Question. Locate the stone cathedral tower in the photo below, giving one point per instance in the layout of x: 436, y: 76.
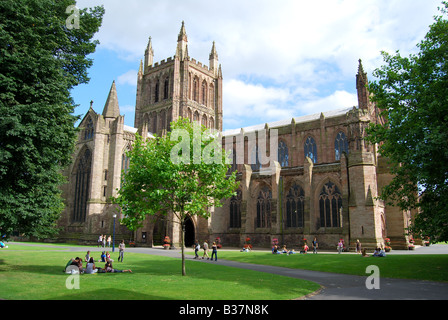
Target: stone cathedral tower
x: 178, y: 87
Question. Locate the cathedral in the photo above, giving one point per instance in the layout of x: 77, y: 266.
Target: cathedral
x: 323, y: 184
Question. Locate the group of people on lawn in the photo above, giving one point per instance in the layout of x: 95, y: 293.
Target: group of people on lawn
x: 277, y: 250
x: 197, y: 247
x: 91, y: 267
x: 379, y: 251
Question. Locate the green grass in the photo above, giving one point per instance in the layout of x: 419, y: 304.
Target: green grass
x: 420, y: 267
x: 35, y: 273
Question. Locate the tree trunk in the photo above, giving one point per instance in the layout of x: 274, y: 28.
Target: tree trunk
x: 184, y: 273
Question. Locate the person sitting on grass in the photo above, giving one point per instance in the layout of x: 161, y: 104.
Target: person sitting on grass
x: 103, y: 257
x: 305, y: 249
x: 90, y: 267
x: 379, y: 252
x: 108, y: 258
x: 87, y: 258
x: 109, y: 268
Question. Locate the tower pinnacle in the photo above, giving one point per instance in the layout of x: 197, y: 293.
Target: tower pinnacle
x: 182, y: 40
x: 149, y: 54
x: 111, y: 108
x: 213, y: 58
x: 361, y: 87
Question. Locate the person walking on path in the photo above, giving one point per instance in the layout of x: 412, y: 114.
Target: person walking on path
x: 214, y: 251
x: 205, y: 247
x: 196, y: 249
x: 315, y: 245
x: 121, y: 248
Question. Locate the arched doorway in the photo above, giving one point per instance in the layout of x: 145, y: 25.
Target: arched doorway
x: 189, y: 232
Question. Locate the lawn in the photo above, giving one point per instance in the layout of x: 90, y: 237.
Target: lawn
x: 36, y: 273
x: 412, y: 266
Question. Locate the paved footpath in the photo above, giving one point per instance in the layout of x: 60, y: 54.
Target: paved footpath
x: 334, y: 286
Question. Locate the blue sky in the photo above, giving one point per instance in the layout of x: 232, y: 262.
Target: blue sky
x: 280, y: 59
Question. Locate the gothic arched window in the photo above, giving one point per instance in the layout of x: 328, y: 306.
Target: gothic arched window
x: 340, y: 145
x: 154, y: 122
x: 125, y: 162
x: 211, y: 123
x: 283, y: 157
x: 163, y: 120
x: 166, y: 88
x: 264, y: 208
x: 195, y: 90
x: 82, y: 186
x: 311, y: 149
x: 235, y: 210
x: 255, y: 159
x: 295, y: 207
x: 204, y: 93
x: 189, y: 115
x: 88, y: 132
x: 204, y: 120
x: 330, y: 205
x: 169, y: 118
x: 157, y: 91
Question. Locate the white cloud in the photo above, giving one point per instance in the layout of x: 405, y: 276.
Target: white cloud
x: 128, y: 78
x: 278, y: 60
x: 338, y: 100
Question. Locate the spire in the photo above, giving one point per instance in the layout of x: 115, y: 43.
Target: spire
x: 213, y: 58
x: 214, y: 53
x: 361, y: 87
x: 140, y: 69
x: 182, y: 40
x: 361, y: 72
x: 149, y: 54
x: 182, y: 34
x: 111, y: 109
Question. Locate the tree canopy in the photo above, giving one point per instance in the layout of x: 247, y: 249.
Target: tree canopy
x: 183, y: 174
x: 412, y: 93
x: 44, y: 48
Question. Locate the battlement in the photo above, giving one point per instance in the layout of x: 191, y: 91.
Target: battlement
x: 160, y: 64
x: 200, y: 66
x: 192, y: 62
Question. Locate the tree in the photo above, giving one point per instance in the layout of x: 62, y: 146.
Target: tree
x: 412, y: 93
x: 183, y: 173
x: 43, y: 55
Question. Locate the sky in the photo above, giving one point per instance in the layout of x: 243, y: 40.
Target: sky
x: 280, y: 59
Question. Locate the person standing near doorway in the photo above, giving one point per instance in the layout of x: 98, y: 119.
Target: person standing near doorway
x: 205, y: 247
x: 315, y: 245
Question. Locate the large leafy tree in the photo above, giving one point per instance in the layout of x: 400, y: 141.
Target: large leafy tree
x: 413, y: 94
x: 44, y: 46
x: 181, y: 174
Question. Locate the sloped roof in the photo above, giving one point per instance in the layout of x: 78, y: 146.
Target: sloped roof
x: 281, y: 123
